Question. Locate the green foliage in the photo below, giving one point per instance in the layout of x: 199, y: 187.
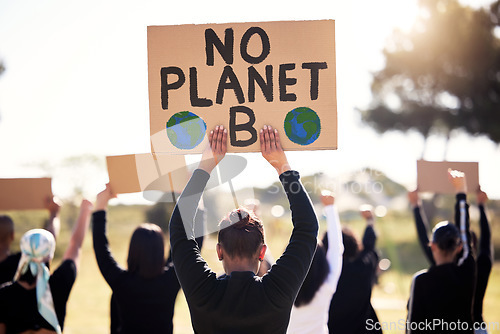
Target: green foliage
x: 443, y: 75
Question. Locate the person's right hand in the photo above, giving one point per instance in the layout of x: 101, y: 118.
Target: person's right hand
x: 270, y: 147
x: 457, y: 179
x: 327, y: 198
x: 103, y: 198
x: 366, y: 214
x: 86, y: 206
x: 482, y: 198
x: 413, y: 198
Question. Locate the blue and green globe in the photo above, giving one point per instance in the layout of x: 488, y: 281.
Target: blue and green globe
x: 302, y: 126
x: 186, y: 130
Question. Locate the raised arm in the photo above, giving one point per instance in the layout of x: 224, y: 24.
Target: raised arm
x: 109, y: 268
x: 484, y: 257
x: 459, y: 183
x: 283, y: 281
x: 484, y: 227
x: 421, y: 224
x: 82, y: 223
x: 53, y: 224
x: 192, y: 270
x: 334, y: 235
x: 200, y: 222
x: 369, y: 237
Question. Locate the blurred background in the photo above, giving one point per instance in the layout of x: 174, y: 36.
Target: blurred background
x: 415, y: 79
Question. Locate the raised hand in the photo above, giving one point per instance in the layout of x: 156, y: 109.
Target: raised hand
x: 327, y: 198
x: 413, y: 198
x: 457, y: 179
x: 86, y: 206
x: 271, y: 149
x: 103, y: 198
x: 482, y: 198
x: 216, y: 150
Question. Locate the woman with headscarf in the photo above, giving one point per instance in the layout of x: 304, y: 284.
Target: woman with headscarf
x: 36, y: 300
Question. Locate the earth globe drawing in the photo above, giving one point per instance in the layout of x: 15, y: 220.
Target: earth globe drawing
x: 186, y: 130
x: 302, y: 126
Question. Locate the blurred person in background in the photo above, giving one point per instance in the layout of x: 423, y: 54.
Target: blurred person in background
x: 482, y: 251
x: 9, y: 261
x: 36, y: 300
x: 443, y: 294
x: 351, y: 310
x: 144, y: 294
x: 310, y: 310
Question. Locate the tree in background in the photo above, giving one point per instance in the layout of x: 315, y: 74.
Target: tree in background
x: 442, y: 76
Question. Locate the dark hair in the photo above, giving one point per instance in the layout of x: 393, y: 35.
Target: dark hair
x: 351, y: 244
x: 241, y: 233
x: 446, y: 236
x: 6, y: 228
x: 147, y: 251
x: 28, y: 277
x: 315, y: 277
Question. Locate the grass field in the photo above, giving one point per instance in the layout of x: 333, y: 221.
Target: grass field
x: 88, y: 307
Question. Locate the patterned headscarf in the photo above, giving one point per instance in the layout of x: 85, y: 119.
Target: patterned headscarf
x: 37, y: 247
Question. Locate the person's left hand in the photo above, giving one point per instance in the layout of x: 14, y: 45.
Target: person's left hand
x: 51, y: 204
x: 482, y: 198
x: 103, y: 198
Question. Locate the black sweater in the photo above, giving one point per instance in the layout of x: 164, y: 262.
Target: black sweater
x: 442, y: 296
x: 242, y: 302
x: 351, y: 310
x: 484, y: 257
x: 143, y: 305
x: 19, y: 308
x: 484, y: 263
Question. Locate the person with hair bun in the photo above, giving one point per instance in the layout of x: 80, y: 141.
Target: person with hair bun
x: 240, y: 301
x: 441, y: 297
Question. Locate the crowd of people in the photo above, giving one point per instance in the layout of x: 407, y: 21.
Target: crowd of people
x: 318, y: 285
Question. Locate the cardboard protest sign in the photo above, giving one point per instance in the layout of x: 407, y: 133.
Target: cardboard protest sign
x: 140, y: 172
x: 25, y: 193
x: 432, y: 176
x: 243, y: 76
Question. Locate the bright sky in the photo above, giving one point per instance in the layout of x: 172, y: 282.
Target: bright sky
x: 76, y: 83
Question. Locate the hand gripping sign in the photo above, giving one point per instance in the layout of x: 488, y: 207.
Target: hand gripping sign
x: 432, y: 176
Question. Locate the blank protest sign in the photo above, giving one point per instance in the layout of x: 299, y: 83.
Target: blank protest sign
x: 432, y: 176
x: 243, y: 76
x: 25, y: 193
x: 139, y: 172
